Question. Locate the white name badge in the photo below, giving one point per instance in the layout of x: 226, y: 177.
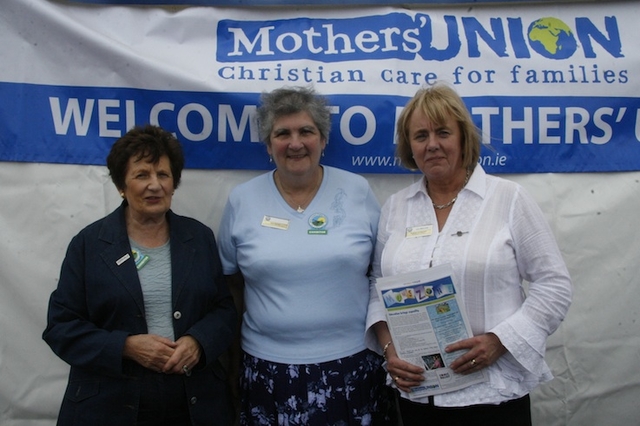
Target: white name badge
x: 418, y: 231
x: 122, y: 259
x: 276, y: 223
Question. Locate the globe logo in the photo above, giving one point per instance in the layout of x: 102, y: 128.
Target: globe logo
x: 552, y: 38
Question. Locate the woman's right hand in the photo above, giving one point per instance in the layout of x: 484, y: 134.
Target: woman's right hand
x: 405, y: 375
x: 149, y: 350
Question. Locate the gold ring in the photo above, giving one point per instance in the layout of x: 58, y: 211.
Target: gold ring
x: 395, y: 379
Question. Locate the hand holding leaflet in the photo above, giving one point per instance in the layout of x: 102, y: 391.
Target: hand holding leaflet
x: 424, y: 316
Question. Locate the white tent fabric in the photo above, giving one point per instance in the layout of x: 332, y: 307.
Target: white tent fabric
x: 594, y: 354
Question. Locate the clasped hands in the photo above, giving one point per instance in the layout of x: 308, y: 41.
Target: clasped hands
x: 163, y: 355
x: 481, y: 352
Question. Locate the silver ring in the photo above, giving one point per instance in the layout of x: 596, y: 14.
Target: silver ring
x: 395, y: 379
x: 473, y: 362
x: 186, y: 370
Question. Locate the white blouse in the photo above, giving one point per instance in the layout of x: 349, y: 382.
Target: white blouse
x: 495, y: 237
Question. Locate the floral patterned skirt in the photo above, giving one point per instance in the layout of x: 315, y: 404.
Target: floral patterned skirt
x: 346, y: 391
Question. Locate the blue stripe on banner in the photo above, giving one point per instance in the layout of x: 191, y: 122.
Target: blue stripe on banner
x: 279, y: 2
x: 78, y: 125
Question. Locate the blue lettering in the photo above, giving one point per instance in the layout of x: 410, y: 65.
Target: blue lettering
x: 453, y: 38
x: 405, y: 37
x: 516, y: 36
x: 472, y: 29
x: 587, y: 30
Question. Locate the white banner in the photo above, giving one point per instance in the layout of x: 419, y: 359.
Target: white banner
x: 552, y: 88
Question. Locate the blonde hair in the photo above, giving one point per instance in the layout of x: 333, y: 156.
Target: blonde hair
x: 438, y: 103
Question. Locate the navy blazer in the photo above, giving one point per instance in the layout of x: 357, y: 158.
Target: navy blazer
x: 99, y: 303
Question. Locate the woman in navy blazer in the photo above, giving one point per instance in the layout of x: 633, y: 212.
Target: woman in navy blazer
x: 141, y: 312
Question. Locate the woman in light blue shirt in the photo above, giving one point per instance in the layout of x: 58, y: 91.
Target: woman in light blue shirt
x: 299, y: 239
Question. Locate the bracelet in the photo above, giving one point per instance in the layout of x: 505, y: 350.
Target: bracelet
x: 384, y: 349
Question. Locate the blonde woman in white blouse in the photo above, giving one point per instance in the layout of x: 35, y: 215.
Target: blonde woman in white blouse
x: 495, y: 237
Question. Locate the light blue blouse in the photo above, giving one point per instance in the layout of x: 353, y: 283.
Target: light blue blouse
x: 306, y: 274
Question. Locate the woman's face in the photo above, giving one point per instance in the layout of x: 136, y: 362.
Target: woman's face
x: 437, y: 150
x: 149, y: 187
x: 296, y: 144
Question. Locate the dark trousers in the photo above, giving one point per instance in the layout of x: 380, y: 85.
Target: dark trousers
x: 163, y: 401
x: 516, y: 412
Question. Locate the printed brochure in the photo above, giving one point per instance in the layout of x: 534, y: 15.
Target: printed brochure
x: 424, y: 315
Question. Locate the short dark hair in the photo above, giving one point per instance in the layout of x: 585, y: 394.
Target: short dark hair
x: 291, y: 100
x: 438, y: 102
x: 149, y: 142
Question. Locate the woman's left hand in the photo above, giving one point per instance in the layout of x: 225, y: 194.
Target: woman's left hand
x: 186, y: 356
x: 482, y: 351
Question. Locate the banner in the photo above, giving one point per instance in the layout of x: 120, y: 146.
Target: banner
x: 269, y: 2
x: 274, y: 2
x: 552, y: 89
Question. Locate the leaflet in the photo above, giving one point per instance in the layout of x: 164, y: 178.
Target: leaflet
x: 424, y: 315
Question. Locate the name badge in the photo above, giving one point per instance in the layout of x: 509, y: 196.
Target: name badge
x: 122, y: 259
x: 418, y: 231
x: 276, y: 223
